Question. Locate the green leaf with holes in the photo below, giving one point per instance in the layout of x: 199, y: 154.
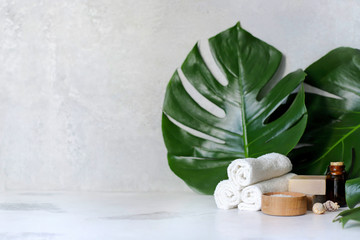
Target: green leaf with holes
x: 333, y: 130
x: 352, y: 190
x: 345, y: 216
x: 243, y: 122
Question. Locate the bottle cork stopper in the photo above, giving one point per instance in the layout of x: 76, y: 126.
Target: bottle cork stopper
x: 337, y: 164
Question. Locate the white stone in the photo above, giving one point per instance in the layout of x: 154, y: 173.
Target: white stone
x: 94, y: 216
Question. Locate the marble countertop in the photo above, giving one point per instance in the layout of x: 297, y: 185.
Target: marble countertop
x: 106, y: 216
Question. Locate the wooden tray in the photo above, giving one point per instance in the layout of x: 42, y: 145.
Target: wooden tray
x: 284, y: 206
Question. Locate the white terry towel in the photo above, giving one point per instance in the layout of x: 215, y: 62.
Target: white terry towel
x: 251, y: 195
x: 244, y: 172
x: 227, y: 195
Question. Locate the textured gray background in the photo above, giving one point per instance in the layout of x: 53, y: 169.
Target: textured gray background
x: 82, y: 82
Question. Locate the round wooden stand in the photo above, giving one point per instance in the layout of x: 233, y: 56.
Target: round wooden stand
x: 284, y: 206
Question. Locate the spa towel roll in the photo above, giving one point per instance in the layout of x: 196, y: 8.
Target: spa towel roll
x: 227, y: 195
x: 251, y: 195
x: 244, y: 172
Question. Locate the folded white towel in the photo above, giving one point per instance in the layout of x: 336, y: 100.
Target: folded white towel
x: 227, y: 195
x: 244, y: 172
x: 251, y: 195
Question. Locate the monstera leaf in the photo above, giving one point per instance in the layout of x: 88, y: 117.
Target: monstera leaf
x: 352, y: 189
x: 207, y: 121
x: 333, y: 129
x: 345, y: 216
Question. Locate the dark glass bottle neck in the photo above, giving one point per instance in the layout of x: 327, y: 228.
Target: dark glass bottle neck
x: 337, y: 170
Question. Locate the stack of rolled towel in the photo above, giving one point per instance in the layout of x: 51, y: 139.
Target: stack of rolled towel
x: 249, y: 178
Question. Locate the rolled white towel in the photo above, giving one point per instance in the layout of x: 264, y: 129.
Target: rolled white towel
x: 244, y: 172
x: 251, y: 195
x: 227, y: 195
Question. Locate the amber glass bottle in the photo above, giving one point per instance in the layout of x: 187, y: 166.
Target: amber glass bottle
x: 335, y: 183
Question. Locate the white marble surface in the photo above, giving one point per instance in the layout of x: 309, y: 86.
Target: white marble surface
x: 82, y: 81
x: 61, y: 215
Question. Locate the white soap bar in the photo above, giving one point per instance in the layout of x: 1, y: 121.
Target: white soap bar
x: 308, y: 184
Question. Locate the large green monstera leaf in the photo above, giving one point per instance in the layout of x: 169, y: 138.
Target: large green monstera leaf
x: 208, y: 121
x: 333, y: 130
